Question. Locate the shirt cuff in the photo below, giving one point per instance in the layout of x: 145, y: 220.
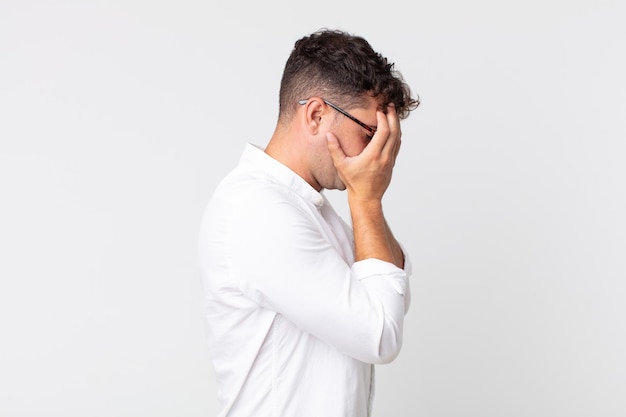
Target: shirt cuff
x: 372, y: 266
x: 375, y: 268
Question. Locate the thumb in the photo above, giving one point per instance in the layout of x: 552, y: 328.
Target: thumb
x: 336, y: 152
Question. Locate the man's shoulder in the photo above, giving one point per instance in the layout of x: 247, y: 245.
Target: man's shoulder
x: 245, y: 184
x: 254, y: 196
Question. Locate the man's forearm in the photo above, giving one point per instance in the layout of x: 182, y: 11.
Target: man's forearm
x: 372, y: 235
x: 398, y: 255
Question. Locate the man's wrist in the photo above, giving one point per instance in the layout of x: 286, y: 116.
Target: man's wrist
x: 367, y: 204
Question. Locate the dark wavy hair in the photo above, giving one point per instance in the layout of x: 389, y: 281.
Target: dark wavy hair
x: 344, y: 69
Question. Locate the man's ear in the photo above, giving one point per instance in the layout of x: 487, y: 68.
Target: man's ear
x: 313, y: 111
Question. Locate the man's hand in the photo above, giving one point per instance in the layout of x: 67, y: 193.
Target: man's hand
x: 367, y: 175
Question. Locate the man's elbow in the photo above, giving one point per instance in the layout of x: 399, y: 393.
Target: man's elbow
x: 388, y: 353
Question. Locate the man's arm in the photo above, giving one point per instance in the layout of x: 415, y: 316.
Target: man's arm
x: 367, y: 177
x: 286, y: 263
x: 372, y: 236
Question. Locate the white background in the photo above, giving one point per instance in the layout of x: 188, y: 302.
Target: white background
x: 117, y: 119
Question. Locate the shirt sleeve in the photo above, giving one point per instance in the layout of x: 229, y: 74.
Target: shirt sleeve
x: 283, y: 261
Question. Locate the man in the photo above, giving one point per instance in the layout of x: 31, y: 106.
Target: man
x: 299, y: 306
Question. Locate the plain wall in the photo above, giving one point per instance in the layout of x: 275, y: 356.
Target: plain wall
x: 118, y: 118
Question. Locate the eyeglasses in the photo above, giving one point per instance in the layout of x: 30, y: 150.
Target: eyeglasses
x: 348, y: 115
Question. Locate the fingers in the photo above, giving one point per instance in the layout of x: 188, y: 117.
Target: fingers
x: 386, y: 141
x: 393, y: 123
x: 379, y: 140
x: 394, y: 129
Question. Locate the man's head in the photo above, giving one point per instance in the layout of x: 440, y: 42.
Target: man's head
x: 343, y: 69
x: 334, y: 84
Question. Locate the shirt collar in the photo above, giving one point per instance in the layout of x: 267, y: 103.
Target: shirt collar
x: 256, y: 157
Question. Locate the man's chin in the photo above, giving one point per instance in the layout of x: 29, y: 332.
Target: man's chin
x: 341, y: 186
x: 337, y: 185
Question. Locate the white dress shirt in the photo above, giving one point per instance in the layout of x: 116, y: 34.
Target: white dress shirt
x: 294, y: 325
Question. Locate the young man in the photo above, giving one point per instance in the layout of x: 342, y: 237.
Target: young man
x: 299, y: 306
